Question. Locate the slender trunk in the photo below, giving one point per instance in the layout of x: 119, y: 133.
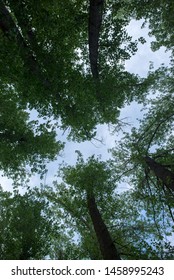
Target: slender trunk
x: 107, y: 247
x: 94, y: 25
x: 165, y: 175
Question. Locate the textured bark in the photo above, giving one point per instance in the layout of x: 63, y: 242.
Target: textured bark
x: 95, y: 20
x: 165, y: 175
x: 107, y: 247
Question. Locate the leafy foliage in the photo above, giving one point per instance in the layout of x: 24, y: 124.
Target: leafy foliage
x: 130, y: 219
x: 66, y: 60
x: 158, y: 14
x: 53, y: 76
x: 23, y: 141
x: 25, y: 227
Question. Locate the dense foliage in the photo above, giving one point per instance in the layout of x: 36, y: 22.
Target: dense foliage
x: 63, y: 67
x: 26, y: 228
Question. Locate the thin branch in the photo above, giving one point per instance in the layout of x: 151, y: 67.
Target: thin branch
x: 154, y: 133
x: 157, y: 128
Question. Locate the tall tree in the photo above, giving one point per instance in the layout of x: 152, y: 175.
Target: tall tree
x: 107, y: 221
x: 80, y: 81
x: 147, y: 153
x: 53, y: 76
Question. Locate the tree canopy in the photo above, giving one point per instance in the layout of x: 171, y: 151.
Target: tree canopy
x: 53, y: 69
x: 63, y: 68
x: 130, y: 226
x: 26, y: 228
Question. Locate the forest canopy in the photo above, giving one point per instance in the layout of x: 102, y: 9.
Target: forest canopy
x: 63, y: 71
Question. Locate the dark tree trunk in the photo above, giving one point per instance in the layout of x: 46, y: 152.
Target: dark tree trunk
x: 95, y: 20
x: 165, y: 175
x: 107, y: 247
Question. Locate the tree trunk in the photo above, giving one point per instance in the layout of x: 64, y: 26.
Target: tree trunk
x: 165, y: 175
x: 107, y: 247
x: 95, y: 20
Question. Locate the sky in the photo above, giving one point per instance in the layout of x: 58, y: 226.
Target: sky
x: 138, y: 64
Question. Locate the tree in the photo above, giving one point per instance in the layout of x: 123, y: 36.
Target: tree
x: 77, y: 82
x: 86, y: 180
x: 96, y: 215
x: 147, y: 155
x: 153, y: 138
x: 49, y: 74
x: 25, y: 229
x: 23, y: 142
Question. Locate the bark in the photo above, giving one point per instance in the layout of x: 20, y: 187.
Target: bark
x: 94, y: 25
x: 107, y: 247
x: 165, y: 175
